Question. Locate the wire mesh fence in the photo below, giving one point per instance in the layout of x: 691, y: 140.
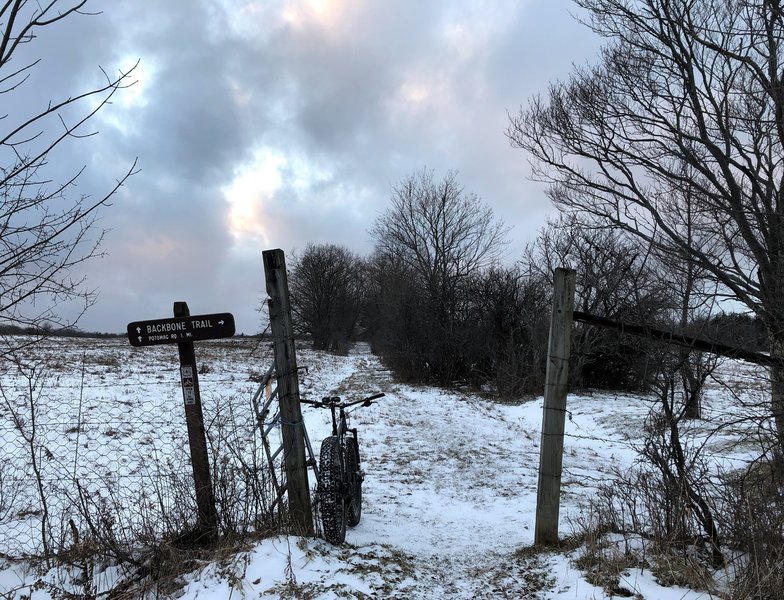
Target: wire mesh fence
x: 95, y: 445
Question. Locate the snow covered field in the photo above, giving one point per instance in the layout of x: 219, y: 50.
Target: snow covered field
x: 450, y: 487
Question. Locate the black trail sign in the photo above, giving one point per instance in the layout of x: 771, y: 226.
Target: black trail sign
x: 184, y: 329
x: 181, y: 329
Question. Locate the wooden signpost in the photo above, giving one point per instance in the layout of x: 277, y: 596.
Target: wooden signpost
x: 183, y: 330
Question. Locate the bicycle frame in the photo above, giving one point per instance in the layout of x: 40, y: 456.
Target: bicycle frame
x: 340, y: 475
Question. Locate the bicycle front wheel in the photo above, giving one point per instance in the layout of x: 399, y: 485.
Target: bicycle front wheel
x: 354, y: 511
x: 331, y: 492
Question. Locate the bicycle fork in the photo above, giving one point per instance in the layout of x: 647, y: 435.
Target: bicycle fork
x: 360, y: 472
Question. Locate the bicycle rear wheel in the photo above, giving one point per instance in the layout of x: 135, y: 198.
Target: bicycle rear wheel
x: 331, y: 492
x: 354, y: 509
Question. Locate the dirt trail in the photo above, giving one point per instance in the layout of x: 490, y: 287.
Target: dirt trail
x: 450, y: 487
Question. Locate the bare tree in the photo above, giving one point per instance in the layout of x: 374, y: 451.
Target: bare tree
x: 616, y: 278
x: 508, y: 330
x: 45, y: 229
x: 443, y: 233
x: 442, y: 236
x: 327, y: 291
x: 687, y: 96
x: 391, y: 316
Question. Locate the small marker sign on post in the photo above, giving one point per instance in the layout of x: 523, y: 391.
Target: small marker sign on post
x: 188, y: 390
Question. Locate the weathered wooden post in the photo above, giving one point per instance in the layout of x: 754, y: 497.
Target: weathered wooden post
x: 194, y: 419
x: 548, y: 494
x: 297, y: 488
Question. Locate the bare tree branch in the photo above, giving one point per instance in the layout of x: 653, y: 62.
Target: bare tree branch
x: 45, y: 231
x: 676, y: 136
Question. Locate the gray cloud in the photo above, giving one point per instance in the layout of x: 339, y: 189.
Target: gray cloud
x: 270, y: 124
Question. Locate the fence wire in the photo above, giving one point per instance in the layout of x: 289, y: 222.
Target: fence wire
x: 95, y: 444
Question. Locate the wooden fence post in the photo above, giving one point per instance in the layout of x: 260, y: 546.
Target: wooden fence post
x: 194, y: 419
x: 297, y: 488
x: 548, y: 494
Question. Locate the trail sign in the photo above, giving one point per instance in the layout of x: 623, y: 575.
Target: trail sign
x: 181, y: 329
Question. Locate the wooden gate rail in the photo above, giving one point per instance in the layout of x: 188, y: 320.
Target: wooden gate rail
x: 678, y: 339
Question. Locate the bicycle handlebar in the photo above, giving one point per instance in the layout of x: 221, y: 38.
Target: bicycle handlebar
x: 334, y: 401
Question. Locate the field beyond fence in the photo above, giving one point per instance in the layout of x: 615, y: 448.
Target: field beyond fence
x: 95, y: 445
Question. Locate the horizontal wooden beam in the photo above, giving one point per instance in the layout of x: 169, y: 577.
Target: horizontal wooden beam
x: 678, y: 339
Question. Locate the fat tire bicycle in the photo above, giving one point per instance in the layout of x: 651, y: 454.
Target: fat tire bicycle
x: 340, y: 478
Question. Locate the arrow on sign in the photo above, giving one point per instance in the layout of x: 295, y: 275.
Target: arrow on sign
x: 138, y: 330
x: 221, y: 322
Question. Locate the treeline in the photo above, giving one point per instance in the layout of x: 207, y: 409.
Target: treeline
x: 47, y: 330
x: 436, y: 303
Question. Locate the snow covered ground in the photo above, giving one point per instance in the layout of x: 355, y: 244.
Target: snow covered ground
x: 450, y: 488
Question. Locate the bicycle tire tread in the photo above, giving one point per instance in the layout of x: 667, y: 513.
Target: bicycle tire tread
x: 332, y: 506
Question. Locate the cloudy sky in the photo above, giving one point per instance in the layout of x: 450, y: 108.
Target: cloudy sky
x: 273, y: 124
